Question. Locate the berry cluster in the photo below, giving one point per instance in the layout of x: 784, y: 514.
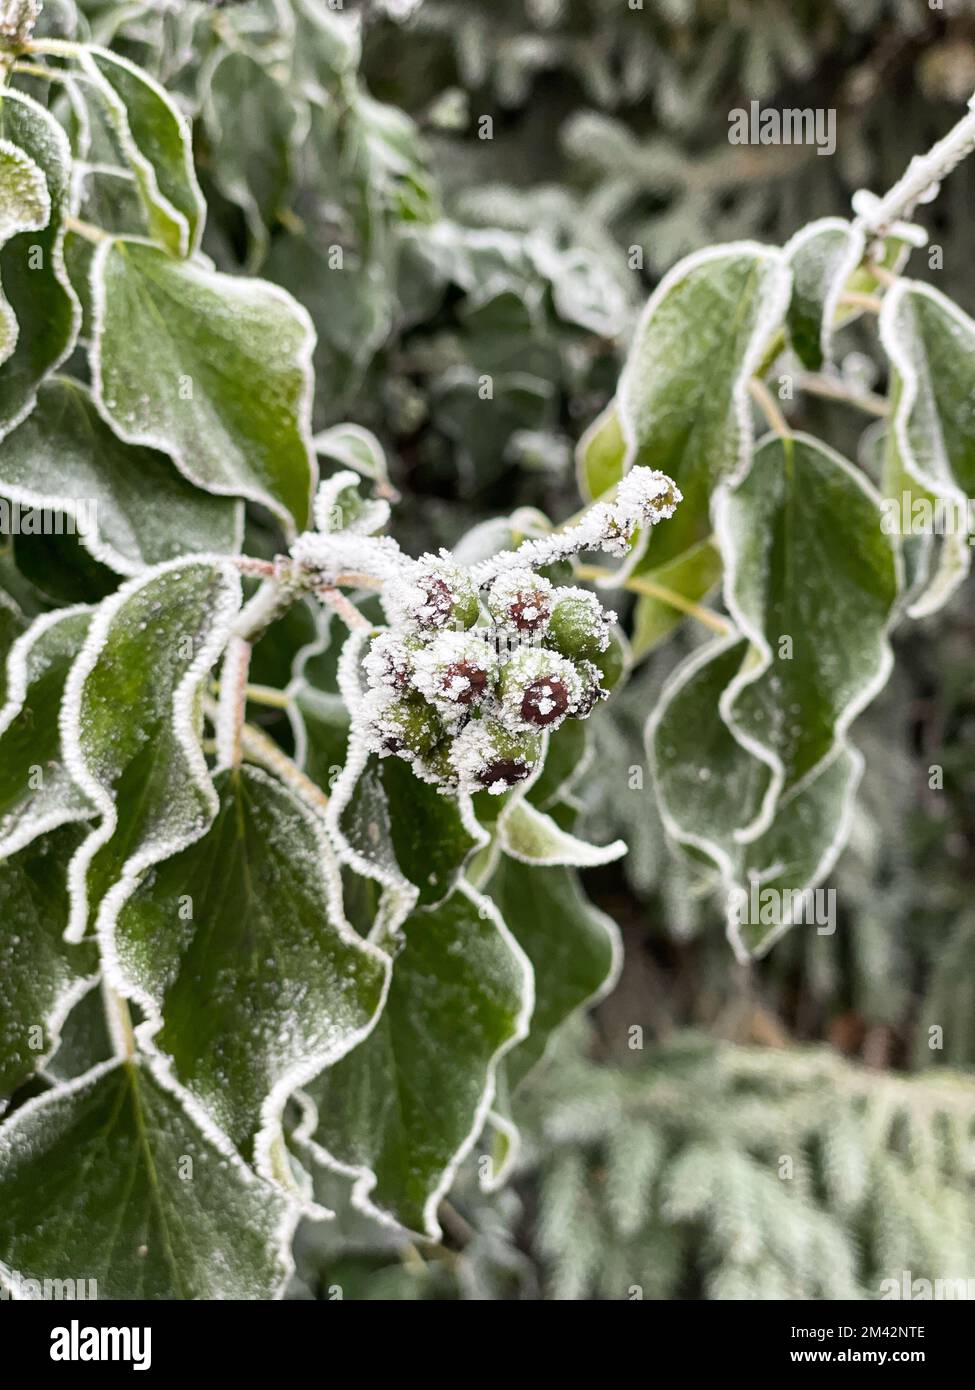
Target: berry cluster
x: 462, y: 690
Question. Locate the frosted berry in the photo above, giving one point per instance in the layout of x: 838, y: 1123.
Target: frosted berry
x: 538, y: 689
x: 521, y: 602
x: 388, y: 663
x: 579, y: 626
x: 593, y: 689
x: 455, y: 671
x: 433, y: 596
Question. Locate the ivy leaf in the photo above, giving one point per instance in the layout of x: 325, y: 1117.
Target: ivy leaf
x: 710, y: 790
x: 392, y: 827
x: 930, y: 445
x: 39, y: 311
x: 796, y: 852
x: 822, y: 257
x: 147, y: 653
x: 111, y: 1178
x: 402, y: 1111
x: 236, y: 949
x: 708, y: 785
x: 250, y: 123
x: 575, y: 949
x: 818, y: 619
x: 601, y: 454
x: 131, y: 508
x: 533, y: 837
x: 157, y: 142
x: 40, y: 976
x: 85, y: 1040
x: 37, y: 793
x: 227, y: 388
x: 682, y: 397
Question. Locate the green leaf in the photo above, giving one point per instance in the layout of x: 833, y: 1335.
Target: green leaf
x: 601, y: 454
x: 533, y: 837
x: 710, y: 790
x: 250, y: 124
x: 39, y: 311
x: 796, y: 852
x: 393, y: 828
x: 226, y: 390
x: 351, y: 446
x: 691, y: 575
x: 156, y: 139
x: 37, y: 793
x: 682, y: 397
x: 811, y: 579
x: 85, y: 1039
x: 822, y: 257
x: 708, y: 786
x: 575, y: 949
x: 131, y: 508
x: 130, y: 725
x: 236, y: 948
x: 40, y: 976
x: 930, y: 443
x: 402, y: 1110
x: 110, y: 1178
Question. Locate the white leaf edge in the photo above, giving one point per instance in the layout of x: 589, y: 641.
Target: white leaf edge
x: 90, y: 537
x: 773, y: 304
x: 303, y: 361
x: 365, y: 1178
x: 752, y: 671
x: 845, y: 266
x: 18, y: 684
x: 270, y: 1135
x: 57, y: 253
x: 182, y: 728
x: 131, y: 149
x: 956, y: 557
x: 564, y: 848
x: 714, y: 851
x: 196, y: 1115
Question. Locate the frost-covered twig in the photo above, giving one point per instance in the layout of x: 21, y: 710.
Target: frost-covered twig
x: 643, y: 498
x: 919, y: 183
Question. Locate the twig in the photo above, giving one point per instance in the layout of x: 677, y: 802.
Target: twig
x: 835, y: 389
x: 923, y: 172
x: 765, y: 401
x: 857, y: 299
x: 639, y: 584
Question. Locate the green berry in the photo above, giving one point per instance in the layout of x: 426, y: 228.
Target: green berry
x: 455, y: 671
x: 409, y: 727
x: 579, y: 625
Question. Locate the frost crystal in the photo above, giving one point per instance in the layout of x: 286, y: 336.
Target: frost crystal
x: 17, y: 20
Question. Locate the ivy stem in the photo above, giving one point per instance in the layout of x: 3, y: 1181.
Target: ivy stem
x: 639, y: 584
x: 343, y: 608
x: 57, y: 48
x: 86, y: 230
x: 856, y: 299
x: 119, y: 1022
x: 835, y: 389
x: 765, y: 401
x: 258, y: 748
